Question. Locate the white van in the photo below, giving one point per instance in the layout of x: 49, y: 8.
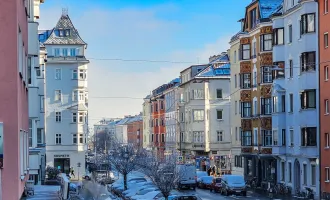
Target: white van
x: 187, y: 176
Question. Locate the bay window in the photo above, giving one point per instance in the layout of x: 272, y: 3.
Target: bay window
x: 280, y: 70
x: 245, y: 81
x: 246, y: 109
x: 308, y: 136
x: 278, y: 36
x: 267, y: 137
x: 266, y: 74
x: 246, y: 52
x: 307, y: 23
x: 308, y: 61
x: 246, y: 138
x: 266, y: 42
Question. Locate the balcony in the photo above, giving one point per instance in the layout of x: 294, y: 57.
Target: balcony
x: 82, y: 83
x: 67, y: 59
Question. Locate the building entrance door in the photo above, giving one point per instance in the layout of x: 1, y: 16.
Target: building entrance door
x: 63, y: 164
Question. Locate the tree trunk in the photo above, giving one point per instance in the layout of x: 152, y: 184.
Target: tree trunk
x: 125, y: 181
x: 166, y: 198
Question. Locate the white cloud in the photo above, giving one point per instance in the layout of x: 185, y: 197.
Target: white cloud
x: 128, y: 33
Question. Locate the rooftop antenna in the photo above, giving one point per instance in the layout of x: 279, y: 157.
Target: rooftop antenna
x: 65, y: 11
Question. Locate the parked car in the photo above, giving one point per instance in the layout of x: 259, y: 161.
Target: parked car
x: 199, y: 175
x: 233, y: 184
x: 141, y: 191
x: 187, y: 176
x: 216, y: 185
x: 205, y: 182
x: 148, y: 196
x: 182, y: 197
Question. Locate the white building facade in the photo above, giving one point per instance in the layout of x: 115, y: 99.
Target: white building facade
x: 295, y: 117
x: 36, y: 81
x: 205, y: 114
x: 66, y: 100
x: 146, y: 116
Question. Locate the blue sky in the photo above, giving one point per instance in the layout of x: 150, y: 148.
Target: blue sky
x: 182, y: 30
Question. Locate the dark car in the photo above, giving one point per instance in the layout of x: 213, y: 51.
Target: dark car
x: 216, y: 185
x: 205, y: 182
x: 233, y: 184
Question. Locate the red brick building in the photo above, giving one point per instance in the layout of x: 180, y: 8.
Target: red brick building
x: 135, y: 131
x: 324, y: 58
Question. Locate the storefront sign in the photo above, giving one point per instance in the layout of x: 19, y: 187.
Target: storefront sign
x: 62, y: 156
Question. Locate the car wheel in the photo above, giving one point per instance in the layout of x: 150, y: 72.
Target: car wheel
x: 244, y: 194
x: 226, y: 193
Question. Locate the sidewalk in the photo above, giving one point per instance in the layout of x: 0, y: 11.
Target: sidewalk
x: 42, y: 192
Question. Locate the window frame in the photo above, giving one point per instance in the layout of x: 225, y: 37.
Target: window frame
x: 74, y: 117
x: 267, y: 138
x: 327, y: 140
x: 277, y: 35
x: 221, y: 112
x: 278, y: 74
x: 304, y: 23
x: 58, y: 116
x: 308, y: 136
x: 245, y: 82
x: 246, y: 111
x: 58, y: 95
x: 202, y: 115
x: 246, y: 138
x: 326, y: 40
x: 74, y: 74
x: 246, y: 50
x: 267, y: 73
x: 326, y: 73
x: 305, y: 97
x: 291, y: 99
x: 263, y: 42
x: 290, y: 33
x: 74, y: 138
x: 306, y: 64
x: 291, y: 68
x: 326, y: 106
x: 326, y: 6
x: 327, y: 174
x: 266, y: 105
x: 58, y: 74
x: 217, y: 93
x: 220, y: 136
x: 58, y: 139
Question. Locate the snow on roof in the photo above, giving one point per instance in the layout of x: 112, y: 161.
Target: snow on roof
x: 268, y: 7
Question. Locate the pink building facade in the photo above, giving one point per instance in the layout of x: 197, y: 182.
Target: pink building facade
x: 13, y: 98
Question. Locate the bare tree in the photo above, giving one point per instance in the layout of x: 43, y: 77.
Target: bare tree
x: 124, y: 159
x: 163, y: 173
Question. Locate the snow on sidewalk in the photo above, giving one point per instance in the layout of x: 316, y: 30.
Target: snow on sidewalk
x: 42, y: 192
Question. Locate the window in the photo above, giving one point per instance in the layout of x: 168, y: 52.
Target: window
x: 308, y: 60
x: 235, y: 107
x: 75, y: 95
x: 279, y: 72
x: 74, y: 117
x: 253, y: 18
x: 291, y: 68
x: 65, y: 52
x: 278, y: 36
x: 254, y: 49
x: 255, y: 107
x: 40, y: 136
x: 327, y: 174
x: 219, y: 114
x: 254, y: 79
x: 67, y: 32
x: 245, y: 81
x: 326, y: 40
x: 290, y: 172
x: 246, y: 109
x: 42, y: 103
x: 283, y: 103
x: 283, y: 137
x: 326, y: 102
x: 304, y: 174
x: 74, y: 74
x: 291, y: 103
x: 198, y: 136
x: 290, y: 33
x: 240, y: 106
x: 313, y: 175
x: 30, y: 132
x: 58, y: 74
x: 58, y: 116
x: 266, y: 42
x: 38, y: 71
x: 308, y: 136
x: 308, y: 99
x: 235, y: 81
x: 82, y: 74
x: 163, y: 137
x: 266, y: 75
x: 291, y: 137
x: 282, y: 171
x: 81, y: 117
x: 246, y: 54
x: 219, y: 136
x: 307, y: 23
x: 235, y: 57
x: 56, y: 52
x: 219, y: 93
x: 236, y: 134
x: 81, y: 138
x: 326, y: 6
x: 29, y: 72
x: 58, y: 138
x: 74, y: 139
x: 246, y: 138
x: 327, y: 140
x: 58, y: 95
x: 267, y: 138
x: 238, y: 161
x: 162, y: 105
x: 275, y: 103
x: 61, y: 33
x: 198, y: 94
x: 198, y: 115
x: 266, y: 106
x: 81, y: 95
x: 275, y: 137
x: 255, y: 137
x: 72, y: 52
x: 326, y: 73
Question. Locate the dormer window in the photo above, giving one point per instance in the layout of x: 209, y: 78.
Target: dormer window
x: 67, y: 32
x: 253, y: 18
x: 61, y: 33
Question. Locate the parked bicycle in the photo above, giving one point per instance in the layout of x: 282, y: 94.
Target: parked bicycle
x: 309, y: 193
x: 252, y: 183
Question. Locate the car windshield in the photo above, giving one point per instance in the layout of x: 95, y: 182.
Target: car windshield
x: 218, y: 180
x: 143, y: 192
x: 235, y: 179
x: 200, y: 174
x: 207, y: 179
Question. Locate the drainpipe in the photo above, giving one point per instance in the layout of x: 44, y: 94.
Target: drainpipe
x: 319, y: 138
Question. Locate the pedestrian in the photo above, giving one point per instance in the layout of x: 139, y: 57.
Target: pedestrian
x: 72, y: 172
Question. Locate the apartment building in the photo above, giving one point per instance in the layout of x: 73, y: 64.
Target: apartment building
x: 324, y: 88
x: 256, y: 63
x: 172, y: 125
x: 205, y: 114
x: 295, y: 111
x: 14, y: 115
x: 235, y: 99
x: 135, y: 131
x: 66, y: 99
x: 36, y: 95
x: 147, y: 130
